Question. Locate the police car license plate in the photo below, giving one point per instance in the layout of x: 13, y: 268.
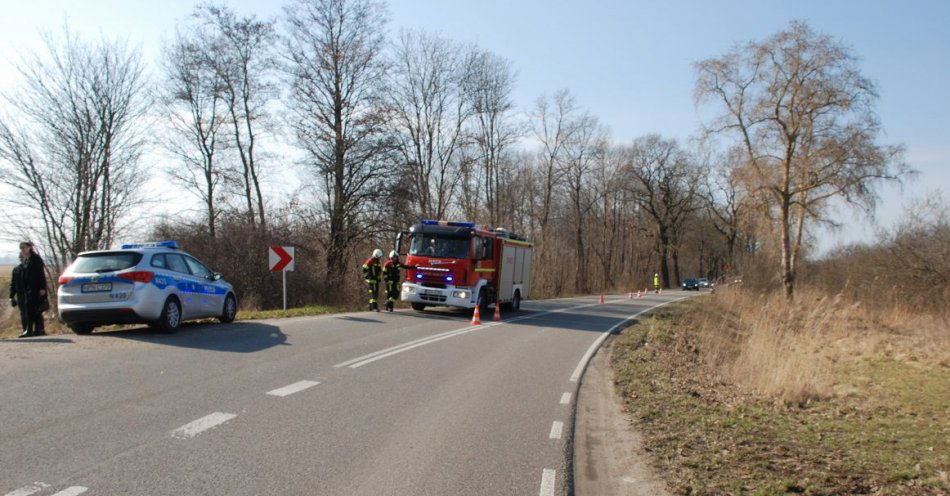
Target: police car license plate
x: 99, y: 287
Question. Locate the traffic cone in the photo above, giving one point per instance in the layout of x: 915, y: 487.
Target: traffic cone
x: 661, y: 290
x: 497, y: 317
x: 601, y: 298
x: 476, y: 318
x: 638, y: 293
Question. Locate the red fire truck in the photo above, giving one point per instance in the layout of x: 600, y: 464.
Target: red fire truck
x: 460, y: 264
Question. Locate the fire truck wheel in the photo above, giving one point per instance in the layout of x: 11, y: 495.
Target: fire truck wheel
x: 516, y: 301
x: 419, y: 307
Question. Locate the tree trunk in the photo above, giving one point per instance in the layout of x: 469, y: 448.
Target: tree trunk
x: 788, y: 277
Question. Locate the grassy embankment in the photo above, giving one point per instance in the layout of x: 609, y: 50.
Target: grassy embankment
x: 744, y: 394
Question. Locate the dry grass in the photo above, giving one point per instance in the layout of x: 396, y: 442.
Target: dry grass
x: 789, y: 351
x: 739, y: 393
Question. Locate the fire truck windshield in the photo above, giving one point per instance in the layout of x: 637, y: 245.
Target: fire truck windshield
x: 433, y: 245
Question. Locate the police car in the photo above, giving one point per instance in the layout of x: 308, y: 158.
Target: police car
x: 146, y: 283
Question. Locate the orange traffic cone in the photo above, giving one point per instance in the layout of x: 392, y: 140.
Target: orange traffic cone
x: 638, y: 293
x: 476, y: 318
x: 601, y: 298
x: 497, y: 317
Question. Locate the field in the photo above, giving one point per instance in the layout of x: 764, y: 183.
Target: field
x: 845, y: 403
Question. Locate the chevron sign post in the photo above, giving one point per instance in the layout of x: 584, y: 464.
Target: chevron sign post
x: 281, y: 259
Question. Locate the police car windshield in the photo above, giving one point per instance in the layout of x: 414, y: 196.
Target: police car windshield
x: 433, y: 245
x: 105, y: 262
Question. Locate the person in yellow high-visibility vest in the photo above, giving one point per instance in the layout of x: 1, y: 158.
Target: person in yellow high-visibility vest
x: 656, y: 283
x: 372, y: 272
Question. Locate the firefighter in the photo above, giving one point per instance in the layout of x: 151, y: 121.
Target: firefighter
x: 656, y: 283
x: 372, y: 272
x: 391, y: 278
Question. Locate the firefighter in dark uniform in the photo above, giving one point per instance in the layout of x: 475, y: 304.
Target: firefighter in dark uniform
x: 391, y: 277
x: 372, y: 271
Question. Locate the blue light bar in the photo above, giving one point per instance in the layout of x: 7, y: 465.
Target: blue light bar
x: 418, y: 276
x: 430, y: 222
x: 152, y: 244
x: 449, y: 278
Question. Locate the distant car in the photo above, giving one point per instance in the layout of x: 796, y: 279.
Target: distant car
x: 704, y: 282
x: 147, y: 283
x: 690, y: 284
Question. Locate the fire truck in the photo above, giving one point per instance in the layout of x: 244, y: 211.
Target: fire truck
x: 460, y: 264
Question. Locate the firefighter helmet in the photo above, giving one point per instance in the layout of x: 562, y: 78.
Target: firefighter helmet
x: 393, y: 254
x: 377, y: 253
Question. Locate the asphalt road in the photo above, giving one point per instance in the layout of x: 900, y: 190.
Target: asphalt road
x: 364, y: 403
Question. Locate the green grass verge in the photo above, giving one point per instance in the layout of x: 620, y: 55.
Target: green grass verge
x: 891, y: 435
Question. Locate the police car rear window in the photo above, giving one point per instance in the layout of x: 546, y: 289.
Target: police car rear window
x: 106, y: 262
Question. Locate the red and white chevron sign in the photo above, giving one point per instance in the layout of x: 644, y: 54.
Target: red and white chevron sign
x: 281, y: 258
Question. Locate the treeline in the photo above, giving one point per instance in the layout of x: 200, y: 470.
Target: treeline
x: 321, y: 130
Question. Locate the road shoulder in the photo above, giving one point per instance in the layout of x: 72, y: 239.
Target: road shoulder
x: 609, y: 458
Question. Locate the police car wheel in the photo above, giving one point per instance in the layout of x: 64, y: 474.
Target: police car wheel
x: 230, y: 310
x: 170, y: 318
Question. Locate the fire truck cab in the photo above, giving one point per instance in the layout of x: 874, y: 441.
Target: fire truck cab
x: 460, y: 264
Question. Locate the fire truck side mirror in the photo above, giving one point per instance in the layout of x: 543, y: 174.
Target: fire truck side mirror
x: 397, y: 245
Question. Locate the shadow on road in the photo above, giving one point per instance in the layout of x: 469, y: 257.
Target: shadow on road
x: 237, y: 337
x: 359, y: 319
x: 39, y: 339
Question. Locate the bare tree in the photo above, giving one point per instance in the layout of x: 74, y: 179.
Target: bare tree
x: 241, y: 55
x: 586, y: 147
x: 664, y: 183
x: 489, y: 86
x: 803, y: 113
x: 193, y: 95
x: 70, y: 150
x: 337, y: 71
x: 430, y: 110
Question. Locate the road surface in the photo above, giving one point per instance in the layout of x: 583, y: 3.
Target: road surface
x: 356, y: 404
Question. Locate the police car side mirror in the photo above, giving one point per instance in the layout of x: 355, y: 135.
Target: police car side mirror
x: 216, y: 276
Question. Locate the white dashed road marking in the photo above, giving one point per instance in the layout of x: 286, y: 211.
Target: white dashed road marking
x: 28, y: 490
x: 192, y: 429
x: 293, y: 388
x: 72, y: 491
x: 547, y: 482
x: 556, y: 429
x: 565, y: 398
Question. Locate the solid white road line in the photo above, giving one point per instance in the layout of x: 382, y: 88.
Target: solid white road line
x: 565, y: 398
x: 192, y: 429
x: 293, y: 388
x: 556, y: 429
x: 576, y: 375
x: 28, y: 490
x: 547, y: 482
x: 72, y: 491
x: 395, y: 350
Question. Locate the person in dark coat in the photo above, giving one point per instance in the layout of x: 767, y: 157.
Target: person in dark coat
x: 28, y: 291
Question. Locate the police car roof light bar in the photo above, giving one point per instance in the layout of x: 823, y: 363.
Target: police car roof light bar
x: 171, y: 244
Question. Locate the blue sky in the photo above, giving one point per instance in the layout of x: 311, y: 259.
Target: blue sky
x: 629, y: 62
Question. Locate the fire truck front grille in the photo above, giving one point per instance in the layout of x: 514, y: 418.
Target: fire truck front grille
x: 433, y: 285
x: 433, y: 297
